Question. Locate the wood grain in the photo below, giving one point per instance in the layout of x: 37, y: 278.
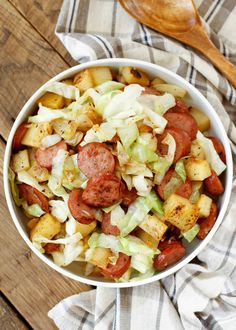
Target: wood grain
x: 27, y: 61
x: 43, y: 14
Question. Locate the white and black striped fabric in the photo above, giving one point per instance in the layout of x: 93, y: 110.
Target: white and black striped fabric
x: 202, y: 295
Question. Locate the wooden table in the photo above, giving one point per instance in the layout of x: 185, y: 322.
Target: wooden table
x: 30, y: 54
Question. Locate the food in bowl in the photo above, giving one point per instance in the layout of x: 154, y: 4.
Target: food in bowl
x: 116, y: 170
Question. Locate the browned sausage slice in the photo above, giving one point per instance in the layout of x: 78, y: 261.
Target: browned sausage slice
x: 128, y: 196
x: 102, y: 191
x: 182, y: 140
x: 95, y: 159
x: 51, y: 247
x: 33, y: 196
x: 173, y: 252
x: 79, y: 210
x: 117, y: 270
x: 184, y: 190
x: 44, y: 157
x: 207, y: 223
x: 180, y: 106
x: 107, y: 227
x: 183, y: 121
x: 213, y: 184
x: 219, y: 148
x: 20, y: 132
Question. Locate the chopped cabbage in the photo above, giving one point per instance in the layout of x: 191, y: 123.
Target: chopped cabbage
x: 159, y: 104
x: 104, y: 132
x: 59, y: 210
x: 141, y: 276
x: 155, y: 203
x: 104, y: 100
x: 117, y: 214
x: 71, y: 226
x: 160, y: 168
x: 88, y: 96
x: 172, y: 185
x: 142, y: 185
x: 109, y: 86
x: 67, y: 91
x: 56, y: 177
x: 142, y: 153
x: 33, y: 210
x: 158, y: 121
x: 14, y: 189
x: 46, y: 115
x: 191, y: 233
x: 75, y: 140
x: 122, y: 155
x: 25, y: 177
x: 110, y: 208
x: 141, y: 263
x: 170, y: 141
x: 128, y: 135
x: 50, y: 140
x: 147, y: 139
x: 180, y: 169
x: 128, y: 180
x: 211, y: 155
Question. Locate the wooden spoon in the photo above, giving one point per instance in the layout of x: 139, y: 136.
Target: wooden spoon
x: 179, y: 19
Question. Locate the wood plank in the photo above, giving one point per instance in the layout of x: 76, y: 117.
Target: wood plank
x: 27, y: 61
x: 9, y: 318
x: 31, y: 286
x: 43, y: 16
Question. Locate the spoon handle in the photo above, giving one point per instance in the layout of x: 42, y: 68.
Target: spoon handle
x: 200, y: 40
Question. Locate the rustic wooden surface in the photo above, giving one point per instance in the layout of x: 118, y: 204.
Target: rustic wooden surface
x: 30, y: 54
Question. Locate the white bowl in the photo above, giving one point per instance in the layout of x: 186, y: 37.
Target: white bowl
x: 197, y: 99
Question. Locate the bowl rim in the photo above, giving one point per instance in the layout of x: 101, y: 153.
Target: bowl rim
x: 115, y: 62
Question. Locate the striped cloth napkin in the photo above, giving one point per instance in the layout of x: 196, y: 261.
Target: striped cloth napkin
x: 202, y: 295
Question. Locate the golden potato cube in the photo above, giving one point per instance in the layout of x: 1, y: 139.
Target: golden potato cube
x: 180, y: 212
x: 203, y: 122
x: 83, y: 80
x: 157, y: 81
x: 100, y: 75
x: 146, y: 238
x: 20, y: 161
x: 35, y: 134
x: 196, y: 150
x: 32, y: 223
x: 99, y: 256
x: 52, y: 100
x: 68, y: 81
x: 134, y: 76
x: 65, y: 128
x: 41, y: 174
x: 85, y: 230
x: 204, y: 205
x: 154, y: 227
x: 197, y: 169
x: 47, y: 226
x: 172, y: 89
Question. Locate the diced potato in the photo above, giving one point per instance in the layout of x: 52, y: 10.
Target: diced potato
x: 32, y: 223
x: 68, y: 81
x: 65, y: 128
x: 20, y: 161
x: 83, y: 80
x: 202, y: 120
x: 197, y: 188
x: 94, y: 116
x: 100, y: 257
x: 180, y: 212
x: 52, y: 100
x: 134, y: 76
x: 157, y: 81
x: 41, y: 174
x: 204, y: 205
x: 85, y: 230
x: 47, y: 227
x: 154, y: 227
x: 197, y: 169
x: 172, y: 89
x: 146, y: 238
x: 100, y: 75
x: 84, y: 122
x: 35, y: 134
x: 121, y: 79
x: 196, y: 150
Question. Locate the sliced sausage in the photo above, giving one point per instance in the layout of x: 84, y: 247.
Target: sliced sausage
x: 184, y: 190
x: 79, y: 210
x: 107, y: 227
x: 182, y: 140
x: 95, y: 159
x: 183, y: 121
x: 128, y: 196
x: 102, y: 191
x: 33, y: 196
x: 219, y: 148
x: 44, y: 157
x: 173, y: 252
x: 51, y: 247
x: 213, y: 184
x: 180, y: 106
x: 117, y: 270
x: 150, y: 91
x: 20, y: 132
x: 207, y: 223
